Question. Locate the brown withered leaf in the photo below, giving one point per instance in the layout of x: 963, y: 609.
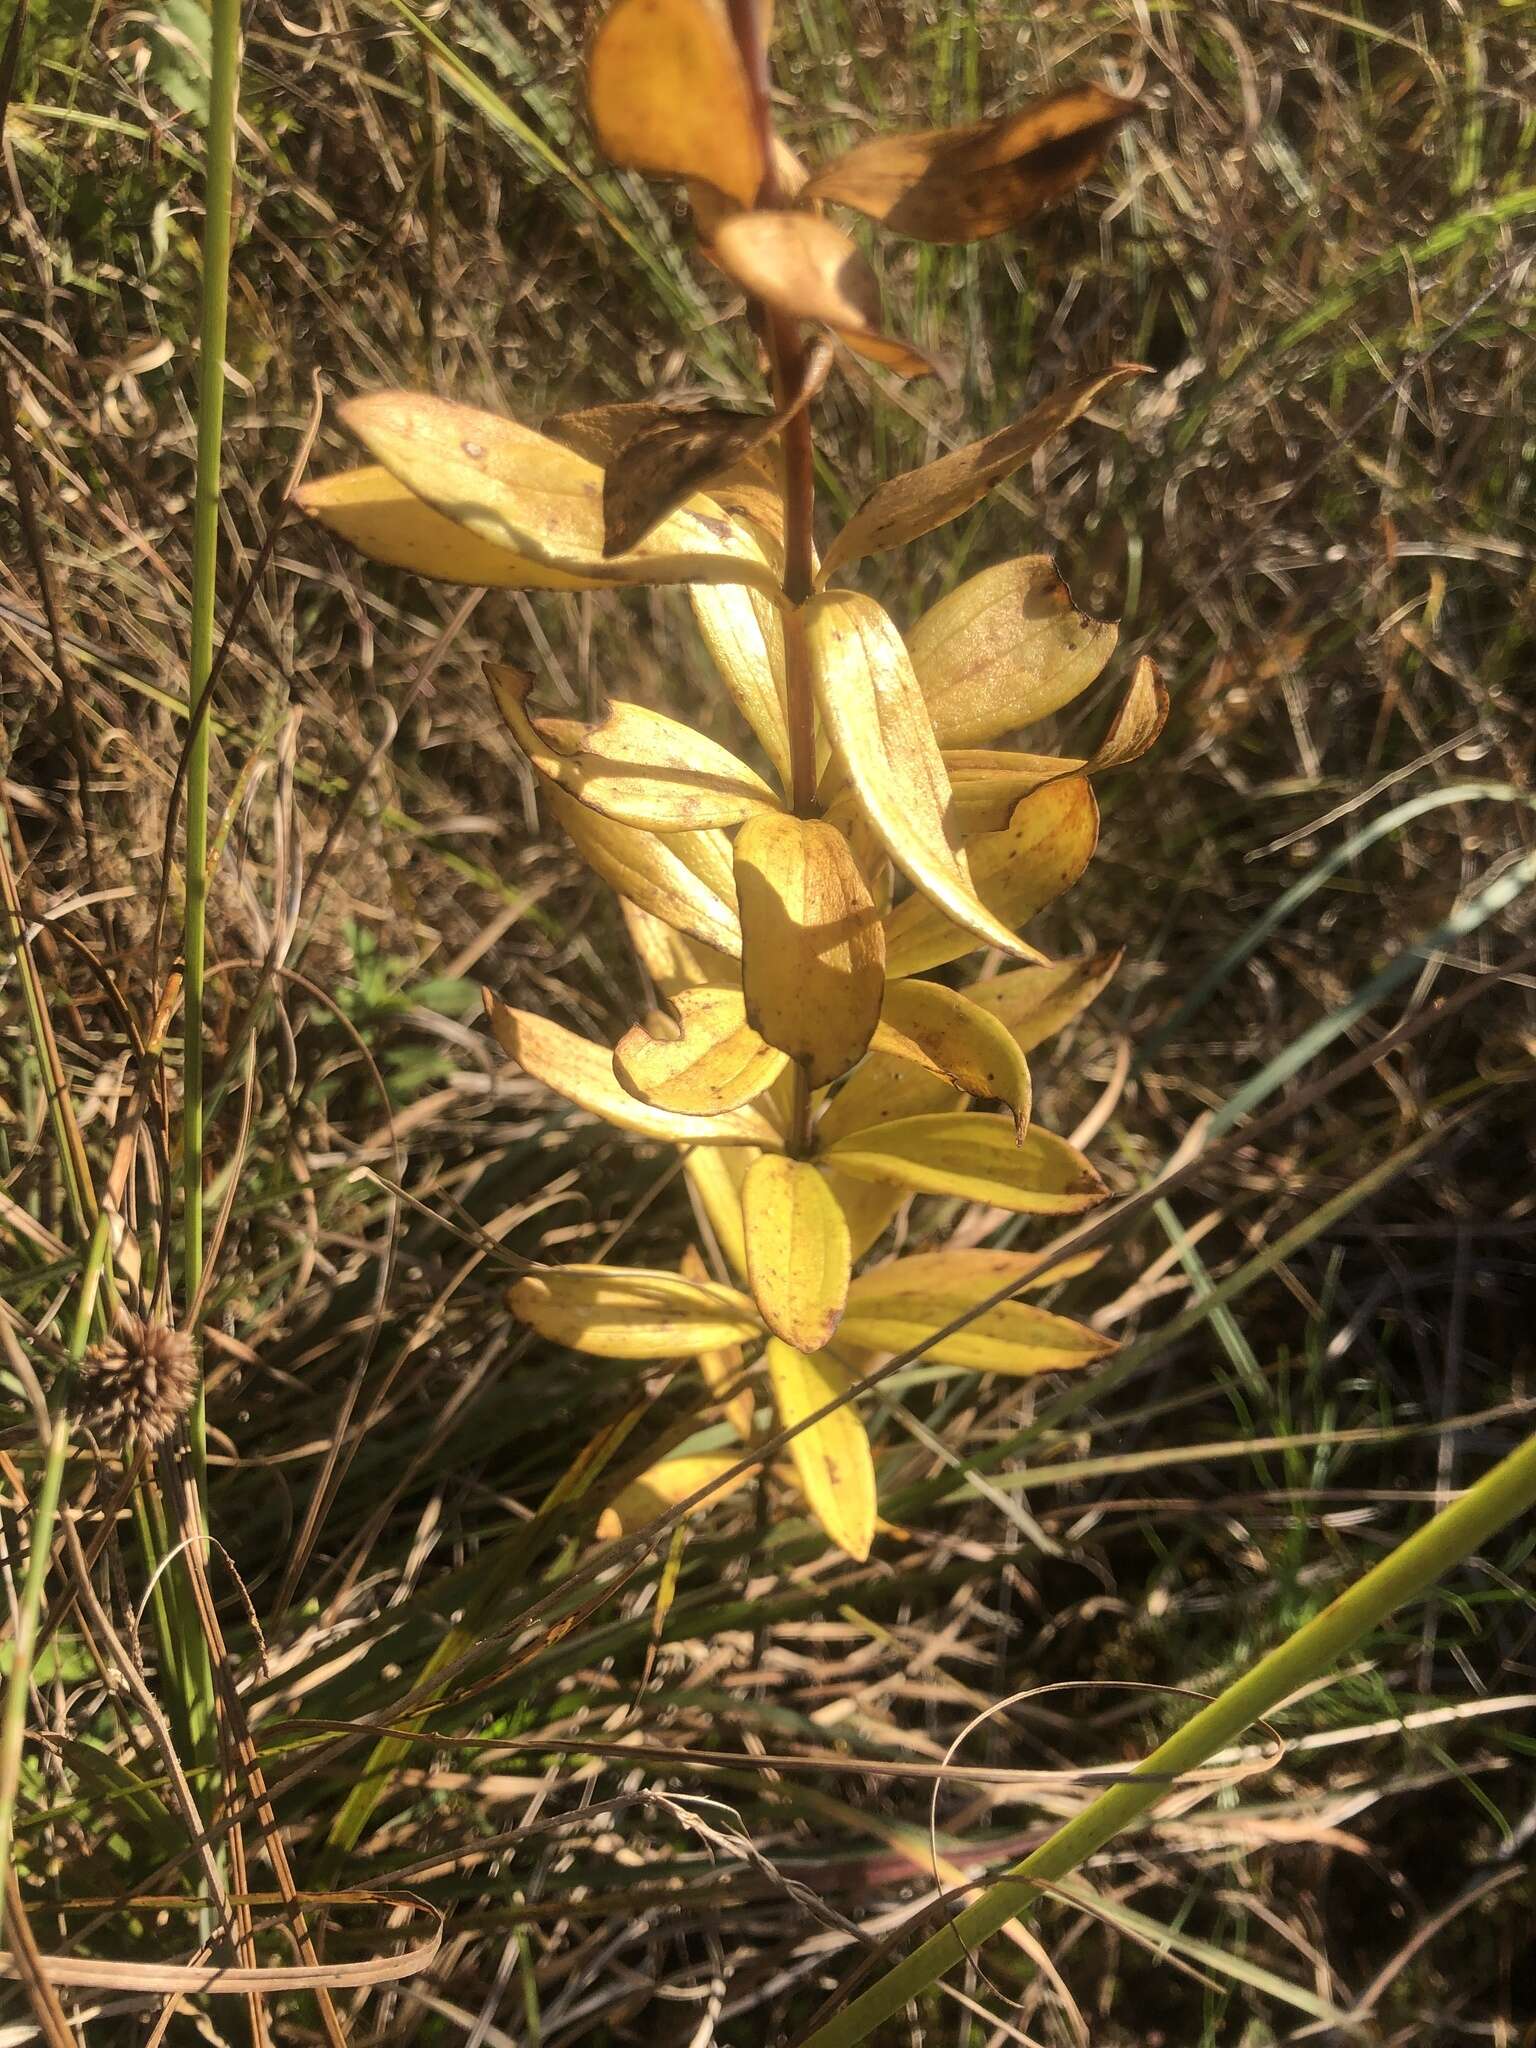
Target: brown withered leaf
x: 668, y: 93
x: 809, y: 269
x: 907, y: 506
x: 671, y: 457
x: 964, y: 184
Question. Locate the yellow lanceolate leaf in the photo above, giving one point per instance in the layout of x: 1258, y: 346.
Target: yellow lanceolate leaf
x: 939, y: 1028
x: 880, y: 730
x: 963, y: 184
x: 583, y: 1074
x: 977, y: 1157
x: 668, y: 94
x: 745, y: 638
x: 878, y: 1091
x: 631, y: 1312
x: 798, y: 1256
x: 813, y: 956
x: 988, y: 782
x: 902, y: 1303
x: 715, y: 1062
x: 715, y: 1174
x: 684, y: 878
x: 672, y: 961
x: 1034, y: 1002
x: 379, y: 517
x: 907, y: 506
x: 832, y: 1457
x: 808, y: 269
x: 721, y: 1370
x: 1005, y: 648
x: 1047, y: 844
x: 634, y: 765
x: 538, y: 499
x: 665, y: 1485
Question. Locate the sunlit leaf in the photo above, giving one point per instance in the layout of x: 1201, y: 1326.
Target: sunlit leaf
x: 937, y: 1027
x: 881, y: 733
x: 745, y: 638
x: 832, y: 1457
x: 672, y: 961
x: 631, y: 1312
x: 904, y: 1302
x: 812, y: 947
x: 1034, y: 1002
x: 389, y: 524
x: 583, y: 1073
x: 963, y: 184
x: 668, y: 94
x: 715, y: 1062
x: 1044, y: 848
x: 912, y: 504
x: 806, y: 267
x: 538, y: 499
x: 1005, y: 648
x: 665, y: 1485
x: 715, y: 1174
x: 633, y: 765
x: 684, y: 878
x: 1137, y: 724
x: 977, y: 1157
x: 879, y: 1090
x: 721, y: 1371
x: 798, y: 1257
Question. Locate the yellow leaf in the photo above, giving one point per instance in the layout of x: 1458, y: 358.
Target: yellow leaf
x: 583, y: 1074
x: 716, y: 1061
x: 684, y: 878
x: 1034, y: 1002
x: 634, y: 765
x: 631, y: 1311
x: 664, y: 1486
x: 745, y: 638
x: 939, y: 1028
x: 1136, y: 725
x: 1005, y: 648
x: 963, y: 184
x: 902, y: 1303
x: 812, y: 946
x: 672, y: 961
x: 977, y: 1157
x: 389, y: 524
x: 668, y: 94
x: 532, y: 496
x: 806, y: 268
x: 988, y: 782
x: 1047, y: 844
x: 721, y: 1370
x: 880, y: 731
x: 907, y: 506
x: 798, y: 1257
x: 832, y: 1457
x: 879, y: 1090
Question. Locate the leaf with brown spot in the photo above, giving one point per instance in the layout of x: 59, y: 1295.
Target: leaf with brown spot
x: 832, y: 1457
x: 798, y: 1251
x: 943, y: 1030
x: 668, y: 93
x: 908, y: 506
x: 964, y: 184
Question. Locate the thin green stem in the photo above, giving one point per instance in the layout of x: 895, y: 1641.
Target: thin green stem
x: 218, y: 230
x: 1499, y: 1497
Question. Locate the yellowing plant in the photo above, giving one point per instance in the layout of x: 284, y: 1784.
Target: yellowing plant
x: 811, y: 1076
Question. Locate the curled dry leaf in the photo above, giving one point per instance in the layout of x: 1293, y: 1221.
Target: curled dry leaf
x: 668, y: 94
x: 583, y: 1074
x: 976, y: 1157
x: 1045, y: 846
x: 938, y: 1028
x: 907, y: 506
x: 798, y: 1251
x: 903, y: 1303
x: 810, y: 270
x: 964, y: 184
x: 813, y: 951
x: 633, y: 765
x: 713, y: 1062
x: 675, y: 456
x: 832, y: 1457
x: 631, y: 1312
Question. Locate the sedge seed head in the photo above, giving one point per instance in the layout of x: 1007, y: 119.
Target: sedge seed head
x: 134, y: 1387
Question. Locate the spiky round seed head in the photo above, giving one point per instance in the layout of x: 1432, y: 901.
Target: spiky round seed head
x: 136, y: 1385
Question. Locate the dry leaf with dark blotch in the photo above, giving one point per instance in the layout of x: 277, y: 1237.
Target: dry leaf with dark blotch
x: 908, y: 506
x: 668, y: 93
x: 963, y: 184
x: 809, y: 269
